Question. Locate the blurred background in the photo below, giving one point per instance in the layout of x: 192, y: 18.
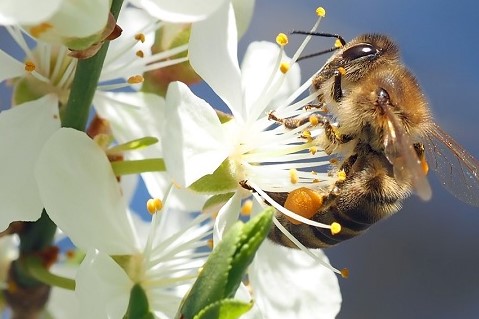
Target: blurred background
x: 422, y: 262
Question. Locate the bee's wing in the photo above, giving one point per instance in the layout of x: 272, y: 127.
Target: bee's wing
x: 401, y: 154
x: 457, y: 169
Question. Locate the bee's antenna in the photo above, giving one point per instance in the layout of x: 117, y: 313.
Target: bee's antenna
x: 320, y: 34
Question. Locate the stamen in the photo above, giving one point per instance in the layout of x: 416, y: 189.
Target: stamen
x: 140, y: 37
x: 342, y: 175
x: 140, y: 54
x: 338, y: 44
x: 210, y: 243
x: 321, y: 12
x: 313, y: 150
x: 304, y: 249
x: 154, y: 205
x: 30, y: 66
x: 284, y: 67
x: 37, y: 30
x: 345, y: 273
x: 293, y: 176
x: 342, y: 70
x: 247, y: 207
x: 314, y: 120
x: 282, y: 39
x: 135, y: 79
x: 335, y: 228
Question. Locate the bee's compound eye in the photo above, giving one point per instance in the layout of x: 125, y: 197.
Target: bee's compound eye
x: 383, y: 96
x: 359, y: 51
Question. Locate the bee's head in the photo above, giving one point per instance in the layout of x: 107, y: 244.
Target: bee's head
x: 389, y: 86
x: 365, y: 53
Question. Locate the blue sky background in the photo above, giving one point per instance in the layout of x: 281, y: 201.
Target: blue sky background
x: 422, y: 262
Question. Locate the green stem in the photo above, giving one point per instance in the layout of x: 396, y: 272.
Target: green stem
x: 39, y: 272
x: 85, y: 83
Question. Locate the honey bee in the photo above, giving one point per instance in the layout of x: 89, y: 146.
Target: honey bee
x: 383, y: 133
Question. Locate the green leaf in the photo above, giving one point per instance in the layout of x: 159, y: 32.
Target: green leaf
x: 253, y: 234
x: 222, y: 180
x: 138, y: 306
x: 224, y: 309
x: 226, y: 266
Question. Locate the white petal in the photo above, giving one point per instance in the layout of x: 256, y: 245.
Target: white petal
x: 180, y: 11
x: 259, y: 63
x: 136, y: 115
x: 192, y: 139
x: 243, y: 13
x: 102, y: 287
x: 213, y: 55
x: 227, y: 216
x: 23, y: 132
x: 287, y: 283
x: 11, y: 68
x: 81, y: 194
x: 81, y: 18
x: 27, y: 11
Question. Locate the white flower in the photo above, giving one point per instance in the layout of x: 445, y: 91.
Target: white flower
x: 196, y: 143
x: 23, y: 131
x: 48, y: 72
x: 49, y: 69
x: 77, y: 24
x: 133, y: 116
x: 82, y: 196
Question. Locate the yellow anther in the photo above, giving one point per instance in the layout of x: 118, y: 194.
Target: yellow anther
x: 335, y: 228
x: 345, y: 273
x: 140, y: 54
x: 37, y: 30
x: 306, y: 134
x: 313, y: 120
x: 247, y: 207
x: 210, y: 243
x: 333, y: 161
x: 313, y: 150
x: 341, y: 175
x: 140, y: 37
x: 284, y: 67
x: 338, y: 43
x: 135, y: 79
x: 321, y: 12
x: 154, y: 205
x: 282, y: 39
x: 293, y: 176
x: 29, y: 66
x: 342, y: 70
x: 316, y: 180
